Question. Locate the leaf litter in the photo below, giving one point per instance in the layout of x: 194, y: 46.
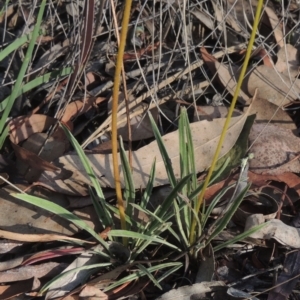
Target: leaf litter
x: 168, y: 64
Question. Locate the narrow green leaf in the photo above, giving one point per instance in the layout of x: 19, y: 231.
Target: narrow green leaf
x: 24, y: 66
x: 128, y: 219
x: 17, y: 43
x: 196, y: 192
x: 148, y: 191
x: 106, y: 218
x: 135, y: 235
x: 36, y: 82
x: 140, y: 274
x: 164, y: 153
x: 3, y: 136
x: 154, y: 216
x: 61, y: 212
x: 240, y: 237
x: 151, y: 277
x: 222, y: 223
x: 129, y: 191
x: 214, y: 203
x: 168, y: 273
x: 184, y: 164
x: 163, y: 209
x: 179, y: 224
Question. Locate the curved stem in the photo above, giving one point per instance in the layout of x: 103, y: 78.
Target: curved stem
x: 227, y: 122
x: 114, y: 138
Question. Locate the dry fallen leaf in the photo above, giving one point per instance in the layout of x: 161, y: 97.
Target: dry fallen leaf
x: 268, y: 112
x: 38, y: 150
x: 205, y: 136
x: 276, y: 150
x: 274, y: 229
x: 290, y: 179
x: 77, y: 108
x: 274, y: 87
x: 92, y: 293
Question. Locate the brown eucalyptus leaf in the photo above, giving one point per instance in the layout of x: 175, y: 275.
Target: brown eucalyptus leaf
x: 23, y: 127
x: 77, y: 108
x: 276, y: 150
x: 9, y: 246
x: 290, y: 179
x: 276, y: 88
x: 205, y: 137
x: 37, y: 152
x: 268, y: 112
x: 34, y: 238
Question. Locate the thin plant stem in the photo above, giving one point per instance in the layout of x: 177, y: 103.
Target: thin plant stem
x: 114, y: 137
x: 226, y: 125
x: 126, y: 98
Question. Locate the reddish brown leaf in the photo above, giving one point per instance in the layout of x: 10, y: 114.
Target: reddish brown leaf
x: 290, y: 179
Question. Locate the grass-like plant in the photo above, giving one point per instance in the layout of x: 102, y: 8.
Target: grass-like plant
x: 179, y: 223
x: 169, y: 224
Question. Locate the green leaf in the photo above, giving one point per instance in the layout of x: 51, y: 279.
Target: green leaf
x: 164, y: 207
x: 61, y: 212
x: 106, y: 218
x: 23, y: 68
x: 37, y: 82
x: 129, y: 191
x: 238, y: 151
x: 240, y: 237
x: 179, y: 224
x: 141, y: 273
x: 214, y: 203
x: 164, y: 153
x: 135, y: 235
x: 148, y: 190
x: 222, y: 222
x: 151, y: 277
x: 155, y: 217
